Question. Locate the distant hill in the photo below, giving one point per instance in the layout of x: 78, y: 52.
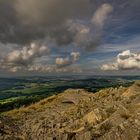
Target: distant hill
x: 110, y: 114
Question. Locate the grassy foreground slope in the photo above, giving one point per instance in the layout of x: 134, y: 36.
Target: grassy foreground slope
x: 110, y: 114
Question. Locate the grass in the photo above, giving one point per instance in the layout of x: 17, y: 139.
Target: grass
x: 13, y: 103
x: 105, y: 127
x: 9, y: 100
x: 126, y: 115
x: 18, y: 113
x: 33, y: 89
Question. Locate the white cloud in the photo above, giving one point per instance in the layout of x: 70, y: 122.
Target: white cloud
x: 112, y: 66
x: 41, y: 68
x: 27, y: 54
x: 24, y: 60
x: 64, y: 62
x: 101, y: 15
x: 61, y: 65
x: 21, y: 59
x: 75, y: 56
x: 125, y: 61
x: 53, y: 68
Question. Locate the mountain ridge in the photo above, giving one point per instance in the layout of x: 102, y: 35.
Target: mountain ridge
x: 112, y: 113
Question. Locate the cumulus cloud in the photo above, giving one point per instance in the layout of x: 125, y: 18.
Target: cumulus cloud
x: 64, y: 62
x: 24, y: 60
x: 27, y: 54
x: 53, y: 68
x: 125, y: 61
x: 112, y: 66
x: 100, y: 16
x: 41, y: 68
x: 20, y: 59
x: 75, y: 56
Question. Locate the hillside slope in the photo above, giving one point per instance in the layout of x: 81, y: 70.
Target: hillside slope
x: 110, y: 114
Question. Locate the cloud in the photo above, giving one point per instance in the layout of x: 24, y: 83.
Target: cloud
x: 75, y: 56
x: 125, y: 61
x: 83, y: 35
x: 88, y: 36
x: 25, y: 60
x: 40, y: 68
x: 112, y: 66
x: 64, y: 62
x: 54, y: 68
x: 23, y: 22
x: 27, y: 54
x: 76, y: 32
x: 22, y: 58
x: 79, y: 29
x: 61, y: 65
x: 50, y: 12
x: 101, y: 15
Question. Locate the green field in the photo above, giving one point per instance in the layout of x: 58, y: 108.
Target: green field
x: 15, y: 93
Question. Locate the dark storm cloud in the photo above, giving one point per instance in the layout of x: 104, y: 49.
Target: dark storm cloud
x: 23, y: 21
x: 50, y: 12
x: 11, y: 29
x: 28, y: 20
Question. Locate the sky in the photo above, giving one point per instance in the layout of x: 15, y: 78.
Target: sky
x: 99, y: 37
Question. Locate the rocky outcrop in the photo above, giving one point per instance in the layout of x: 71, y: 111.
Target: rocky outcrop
x: 133, y: 90
x: 110, y: 114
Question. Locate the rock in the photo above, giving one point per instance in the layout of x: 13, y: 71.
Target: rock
x: 78, y: 115
x: 91, y: 118
x: 77, y: 130
x: 69, y: 101
x: 84, y: 136
x: 132, y: 90
x: 1, y: 125
x: 121, y: 126
x: 49, y: 138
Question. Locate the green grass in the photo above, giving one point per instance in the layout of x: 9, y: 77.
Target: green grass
x: 33, y: 89
x: 5, y: 101
x: 12, y: 103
